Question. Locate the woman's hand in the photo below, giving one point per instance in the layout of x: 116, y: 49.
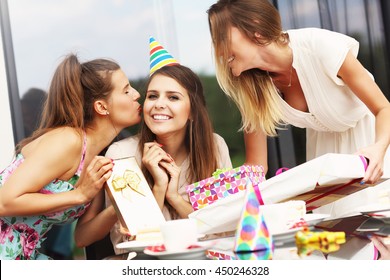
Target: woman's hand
x: 173, y: 172
x: 93, y: 177
x: 152, y: 157
x: 375, y: 154
x: 382, y: 246
x: 172, y: 196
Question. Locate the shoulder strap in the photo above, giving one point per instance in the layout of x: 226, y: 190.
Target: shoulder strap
x: 81, y: 165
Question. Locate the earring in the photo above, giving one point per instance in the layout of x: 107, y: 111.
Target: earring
x: 107, y: 113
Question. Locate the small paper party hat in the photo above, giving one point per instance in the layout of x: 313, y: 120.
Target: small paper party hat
x: 159, y: 57
x: 252, y: 233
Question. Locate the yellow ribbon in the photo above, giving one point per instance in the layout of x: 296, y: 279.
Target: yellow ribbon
x: 130, y: 179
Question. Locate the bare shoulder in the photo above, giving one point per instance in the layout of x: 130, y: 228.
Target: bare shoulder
x: 63, y: 138
x: 70, y: 134
x: 58, y: 152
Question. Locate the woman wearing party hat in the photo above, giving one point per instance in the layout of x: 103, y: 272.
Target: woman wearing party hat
x: 176, y: 144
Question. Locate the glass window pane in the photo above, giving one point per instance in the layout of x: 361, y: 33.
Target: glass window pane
x: 299, y: 13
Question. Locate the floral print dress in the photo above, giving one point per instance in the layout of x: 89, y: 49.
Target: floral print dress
x: 20, y: 237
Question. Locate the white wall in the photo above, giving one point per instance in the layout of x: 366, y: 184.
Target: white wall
x: 6, y: 133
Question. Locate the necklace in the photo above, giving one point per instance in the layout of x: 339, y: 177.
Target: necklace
x: 291, y: 71
x: 290, y: 80
x: 289, y: 83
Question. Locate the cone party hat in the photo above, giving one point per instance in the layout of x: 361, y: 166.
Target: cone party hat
x: 252, y: 233
x: 159, y: 57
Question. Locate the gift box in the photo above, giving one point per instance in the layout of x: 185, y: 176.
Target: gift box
x: 367, y: 197
x: 223, y: 184
x: 133, y: 200
x: 317, y: 182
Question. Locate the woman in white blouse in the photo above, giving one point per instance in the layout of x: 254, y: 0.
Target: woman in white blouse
x: 309, y: 78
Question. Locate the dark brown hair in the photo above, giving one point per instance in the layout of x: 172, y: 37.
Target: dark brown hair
x: 199, y: 139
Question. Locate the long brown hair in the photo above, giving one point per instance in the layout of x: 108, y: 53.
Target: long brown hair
x: 199, y: 139
x: 73, y: 90
x: 252, y: 91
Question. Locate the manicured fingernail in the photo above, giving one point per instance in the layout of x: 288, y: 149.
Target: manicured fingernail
x: 157, y: 143
x: 170, y: 157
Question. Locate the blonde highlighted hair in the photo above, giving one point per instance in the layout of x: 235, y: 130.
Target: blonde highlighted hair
x: 253, y: 91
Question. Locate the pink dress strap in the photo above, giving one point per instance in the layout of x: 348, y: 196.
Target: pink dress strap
x: 81, y: 165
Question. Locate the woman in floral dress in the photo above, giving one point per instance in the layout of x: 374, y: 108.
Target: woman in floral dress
x: 57, y: 171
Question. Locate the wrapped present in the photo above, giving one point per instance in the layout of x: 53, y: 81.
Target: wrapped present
x: 317, y: 182
x: 133, y: 200
x: 368, y: 197
x: 223, y: 183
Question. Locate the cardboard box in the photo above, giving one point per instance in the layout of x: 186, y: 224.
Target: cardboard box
x: 132, y: 198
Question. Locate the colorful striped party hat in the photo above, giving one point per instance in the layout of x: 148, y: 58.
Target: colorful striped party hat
x: 252, y: 234
x: 159, y: 57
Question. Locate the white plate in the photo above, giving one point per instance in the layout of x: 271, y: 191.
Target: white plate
x: 139, y: 246
x: 313, y: 219
x: 281, y: 237
x: 188, y: 254
x: 310, y: 219
x: 136, y: 246
x: 288, y: 235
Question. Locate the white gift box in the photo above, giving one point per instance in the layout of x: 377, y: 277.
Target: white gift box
x: 317, y: 178
x: 325, y: 178
x: 132, y: 198
x: 371, y: 198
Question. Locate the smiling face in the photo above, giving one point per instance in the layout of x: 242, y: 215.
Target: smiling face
x: 123, y: 107
x: 166, y: 107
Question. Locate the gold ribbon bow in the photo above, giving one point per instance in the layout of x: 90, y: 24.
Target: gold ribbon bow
x: 130, y: 179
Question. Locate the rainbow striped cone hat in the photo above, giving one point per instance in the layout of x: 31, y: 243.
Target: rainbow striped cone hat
x: 252, y: 233
x: 159, y: 57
